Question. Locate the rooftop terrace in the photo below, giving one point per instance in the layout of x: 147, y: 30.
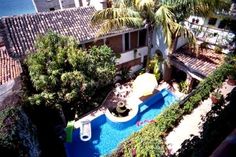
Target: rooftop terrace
x: 201, y: 65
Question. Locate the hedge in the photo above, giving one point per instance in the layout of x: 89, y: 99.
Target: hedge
x: 149, y: 141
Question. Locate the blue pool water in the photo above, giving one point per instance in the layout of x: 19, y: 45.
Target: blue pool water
x: 106, y: 138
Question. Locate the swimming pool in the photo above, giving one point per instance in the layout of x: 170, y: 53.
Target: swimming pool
x: 106, y: 138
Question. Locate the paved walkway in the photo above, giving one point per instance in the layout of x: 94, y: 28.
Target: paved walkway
x: 192, y: 124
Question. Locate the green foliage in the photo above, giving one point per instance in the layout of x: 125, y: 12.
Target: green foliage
x: 203, y: 45
x: 154, y: 67
x: 217, y: 94
x: 17, y: 135
x: 63, y: 74
x: 168, y: 119
x: 184, y: 87
x: 218, y: 49
x: 183, y: 9
x: 219, y: 122
x: 124, y: 73
x: 140, y: 13
x: 149, y: 140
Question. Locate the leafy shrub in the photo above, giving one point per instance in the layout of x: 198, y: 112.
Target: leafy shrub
x: 203, y: 45
x: 154, y: 67
x: 218, y: 49
x: 217, y: 94
x: 17, y: 134
x: 184, y: 87
x: 124, y: 74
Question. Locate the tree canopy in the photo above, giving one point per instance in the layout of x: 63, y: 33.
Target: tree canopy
x: 184, y: 8
x: 63, y: 74
x: 154, y: 13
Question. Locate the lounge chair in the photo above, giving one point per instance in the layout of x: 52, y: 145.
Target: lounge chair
x: 85, y: 130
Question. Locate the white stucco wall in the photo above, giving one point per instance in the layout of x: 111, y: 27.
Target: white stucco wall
x: 67, y: 4
x: 45, y: 5
x: 98, y: 4
x: 159, y: 42
x: 200, y: 22
x: 129, y: 55
x: 181, y: 42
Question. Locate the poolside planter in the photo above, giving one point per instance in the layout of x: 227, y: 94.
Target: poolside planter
x: 215, y: 99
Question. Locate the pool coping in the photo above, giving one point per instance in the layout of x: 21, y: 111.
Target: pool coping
x: 102, y: 110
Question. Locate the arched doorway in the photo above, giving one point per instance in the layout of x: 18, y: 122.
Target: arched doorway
x: 159, y: 54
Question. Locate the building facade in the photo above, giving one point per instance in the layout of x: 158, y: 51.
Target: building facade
x: 21, y: 32
x: 51, y: 5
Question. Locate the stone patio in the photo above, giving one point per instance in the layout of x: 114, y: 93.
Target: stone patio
x: 192, y: 124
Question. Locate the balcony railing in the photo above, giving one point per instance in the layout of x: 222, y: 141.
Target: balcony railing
x: 212, y: 35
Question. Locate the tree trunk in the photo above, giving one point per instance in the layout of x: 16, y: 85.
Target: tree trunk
x: 150, y: 36
x: 167, y: 70
x: 175, y: 41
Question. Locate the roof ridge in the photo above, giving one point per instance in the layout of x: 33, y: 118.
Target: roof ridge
x: 46, y: 12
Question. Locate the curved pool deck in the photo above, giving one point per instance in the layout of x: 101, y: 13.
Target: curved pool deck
x: 106, y: 137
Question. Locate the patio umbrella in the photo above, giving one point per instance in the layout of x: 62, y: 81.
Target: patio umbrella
x: 144, y: 84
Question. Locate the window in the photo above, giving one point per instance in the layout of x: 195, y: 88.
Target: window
x: 127, y: 41
x: 222, y: 24
x: 212, y: 21
x: 133, y: 40
x: 142, y: 38
x: 51, y: 9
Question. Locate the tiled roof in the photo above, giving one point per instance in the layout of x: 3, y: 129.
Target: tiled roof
x: 9, y: 67
x: 203, y: 65
x: 21, y: 31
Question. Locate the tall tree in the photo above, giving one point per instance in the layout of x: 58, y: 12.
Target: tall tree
x: 64, y: 75
x: 153, y: 13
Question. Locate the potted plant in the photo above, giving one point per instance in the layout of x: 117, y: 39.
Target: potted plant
x: 203, y: 45
x: 218, y: 49
x: 231, y: 80
x: 216, y: 96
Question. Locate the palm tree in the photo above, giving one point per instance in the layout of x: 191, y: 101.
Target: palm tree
x: 150, y: 14
x: 205, y: 8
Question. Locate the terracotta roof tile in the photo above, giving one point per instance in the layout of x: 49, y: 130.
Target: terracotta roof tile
x: 9, y: 67
x: 204, y: 64
x: 21, y: 31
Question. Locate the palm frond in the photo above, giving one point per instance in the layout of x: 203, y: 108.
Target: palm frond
x: 116, y: 18
x: 165, y: 18
x: 118, y: 23
x: 179, y: 30
x: 143, y: 5
x: 122, y: 3
x: 113, y: 13
x: 185, y: 8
